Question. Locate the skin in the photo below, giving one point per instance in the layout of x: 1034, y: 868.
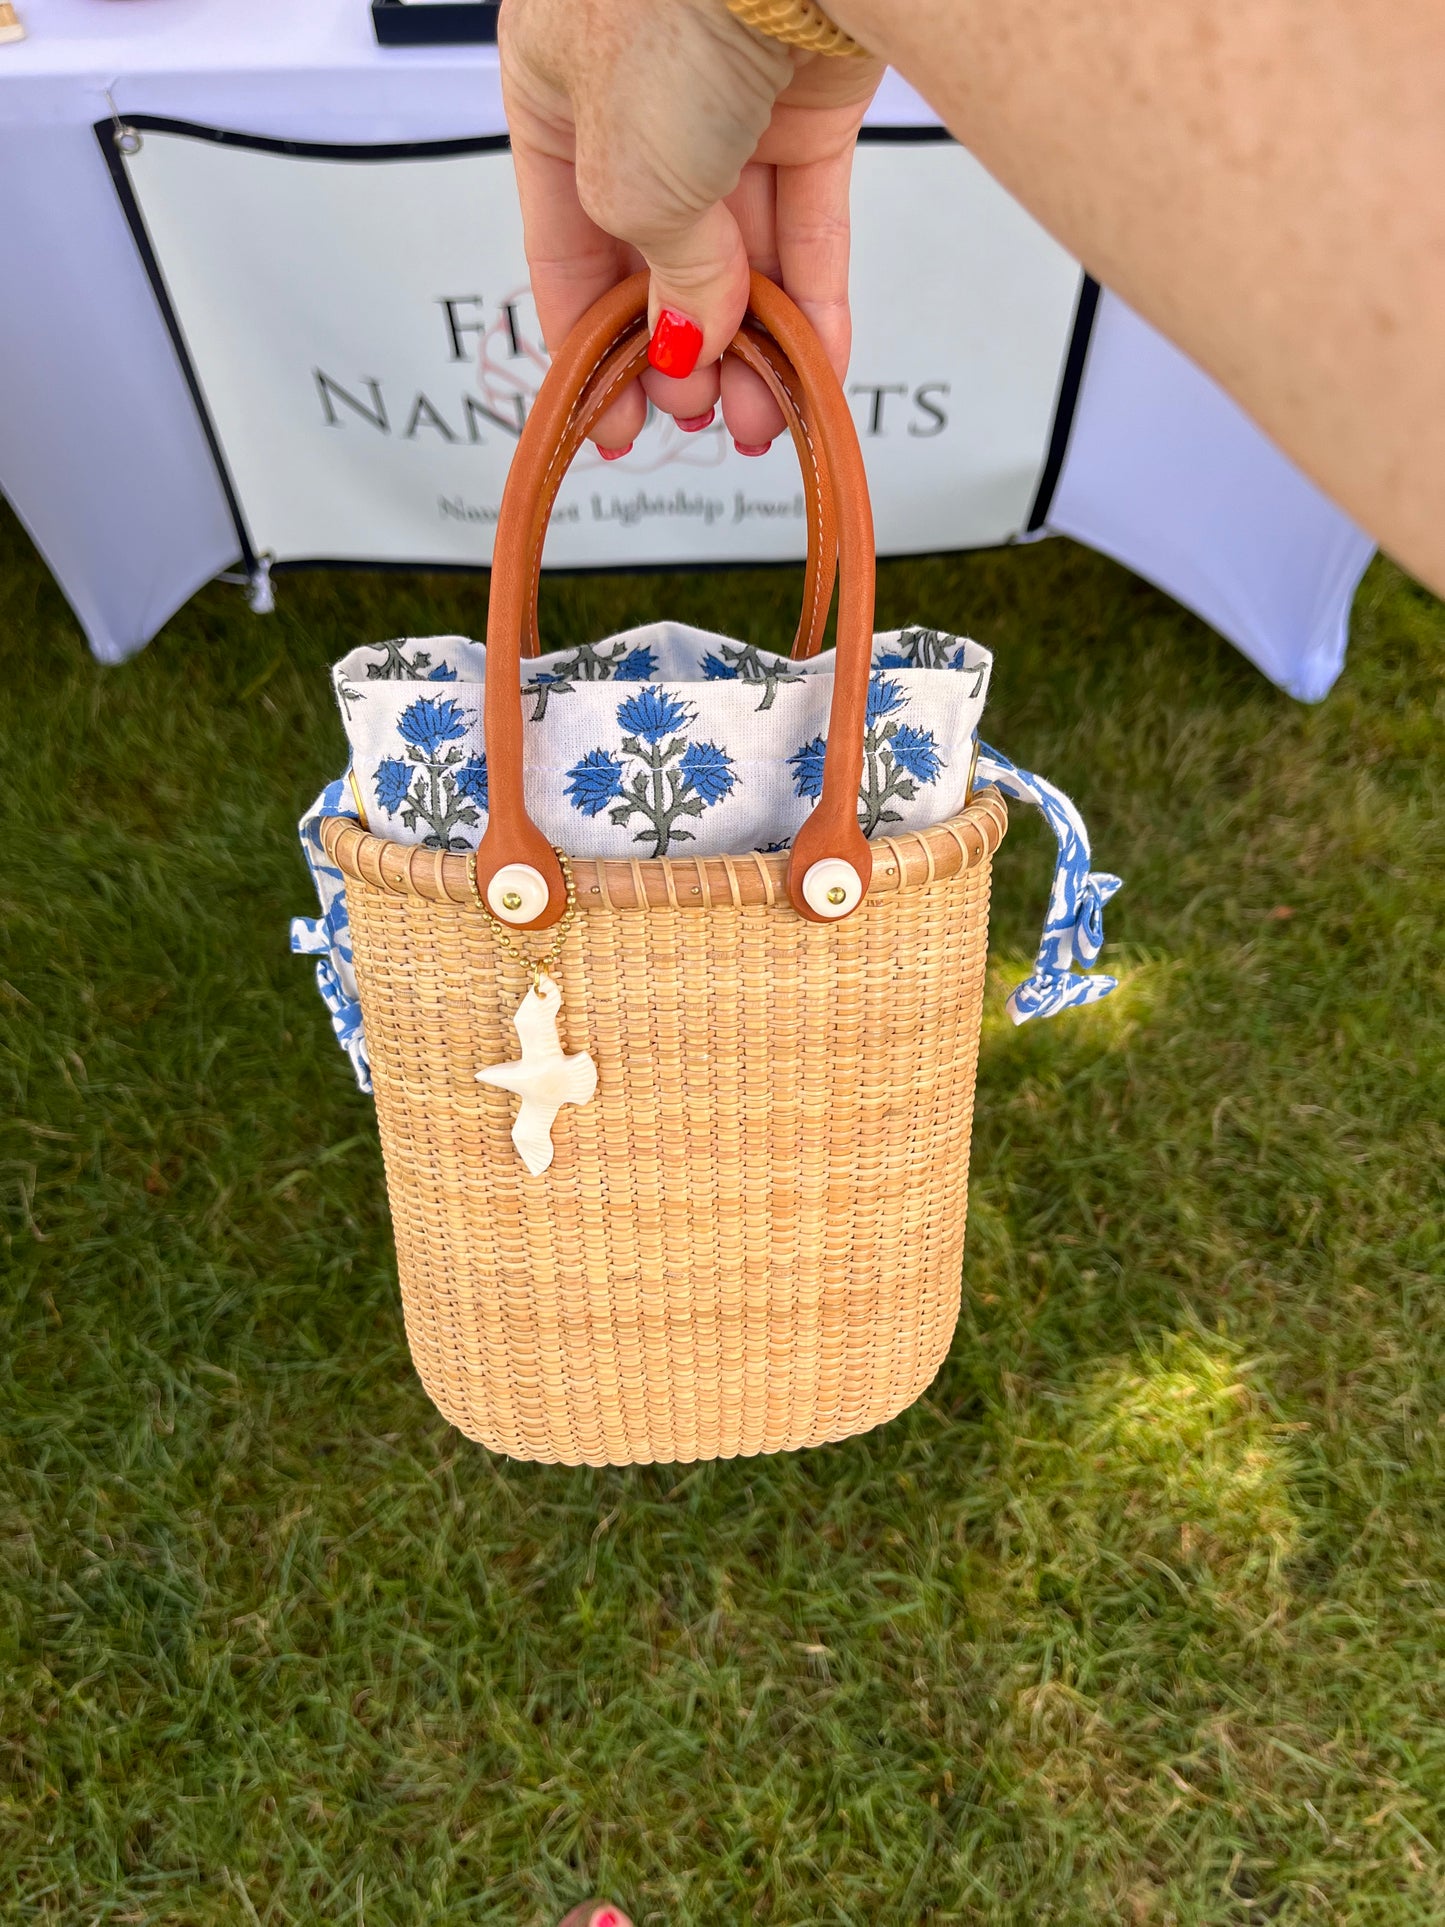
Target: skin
x: 1266, y: 184
x: 742, y: 155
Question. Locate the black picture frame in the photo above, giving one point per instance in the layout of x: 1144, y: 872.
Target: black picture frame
x: 413, y: 23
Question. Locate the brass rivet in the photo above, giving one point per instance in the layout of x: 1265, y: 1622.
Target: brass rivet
x: 512, y: 900
x: 837, y: 894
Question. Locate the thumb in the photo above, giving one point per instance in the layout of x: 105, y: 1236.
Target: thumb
x: 700, y: 274
x: 697, y: 300
x: 698, y: 294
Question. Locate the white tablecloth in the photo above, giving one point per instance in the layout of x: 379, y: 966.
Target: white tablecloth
x: 103, y: 457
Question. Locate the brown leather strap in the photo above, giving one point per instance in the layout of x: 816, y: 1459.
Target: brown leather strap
x: 761, y: 353
x: 764, y: 356
x: 607, y: 337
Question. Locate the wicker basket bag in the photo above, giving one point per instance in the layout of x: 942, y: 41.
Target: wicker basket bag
x: 750, y: 1239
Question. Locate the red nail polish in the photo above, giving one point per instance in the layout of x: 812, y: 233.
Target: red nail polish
x: 614, y: 454
x: 675, y: 345
x: 607, y: 1919
x: 694, y: 424
x: 752, y: 448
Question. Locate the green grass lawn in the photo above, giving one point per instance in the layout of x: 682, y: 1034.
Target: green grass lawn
x: 1138, y: 1617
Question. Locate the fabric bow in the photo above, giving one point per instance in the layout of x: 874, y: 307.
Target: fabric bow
x: 328, y: 937
x: 1074, y: 927
x: 1097, y: 888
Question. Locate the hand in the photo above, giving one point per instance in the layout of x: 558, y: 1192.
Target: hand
x: 664, y: 133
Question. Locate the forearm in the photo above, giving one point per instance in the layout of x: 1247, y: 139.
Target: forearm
x: 1265, y: 183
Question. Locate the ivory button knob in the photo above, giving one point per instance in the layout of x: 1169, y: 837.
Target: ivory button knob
x: 517, y: 893
x: 832, y: 887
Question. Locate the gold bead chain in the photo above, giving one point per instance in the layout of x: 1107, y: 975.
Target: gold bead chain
x: 539, y: 967
x: 797, y: 23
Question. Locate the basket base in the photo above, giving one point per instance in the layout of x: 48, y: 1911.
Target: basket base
x: 604, y: 1429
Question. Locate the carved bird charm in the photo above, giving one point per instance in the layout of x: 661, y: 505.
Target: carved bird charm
x: 545, y: 1077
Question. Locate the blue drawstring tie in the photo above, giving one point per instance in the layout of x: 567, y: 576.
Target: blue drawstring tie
x: 1074, y: 927
x: 328, y: 937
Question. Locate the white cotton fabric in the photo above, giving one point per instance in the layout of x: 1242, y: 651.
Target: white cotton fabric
x: 662, y: 741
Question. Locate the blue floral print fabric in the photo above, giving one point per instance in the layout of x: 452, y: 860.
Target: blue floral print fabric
x: 1074, y: 924
x: 669, y: 741
x: 328, y: 937
x: 666, y: 741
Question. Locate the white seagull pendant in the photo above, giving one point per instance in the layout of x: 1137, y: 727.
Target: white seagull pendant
x: 545, y: 1078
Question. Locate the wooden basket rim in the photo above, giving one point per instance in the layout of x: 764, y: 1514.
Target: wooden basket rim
x: 908, y: 862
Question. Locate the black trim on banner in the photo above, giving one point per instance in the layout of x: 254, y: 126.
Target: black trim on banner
x: 899, y: 136
x: 312, y: 150
x: 928, y: 136
x: 1070, y: 382
x: 107, y: 133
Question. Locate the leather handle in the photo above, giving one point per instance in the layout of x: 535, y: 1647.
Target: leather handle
x: 606, y: 338
x: 622, y: 366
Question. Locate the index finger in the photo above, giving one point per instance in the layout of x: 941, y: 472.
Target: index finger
x: 813, y: 247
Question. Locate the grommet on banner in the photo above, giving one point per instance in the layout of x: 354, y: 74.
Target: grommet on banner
x: 127, y: 139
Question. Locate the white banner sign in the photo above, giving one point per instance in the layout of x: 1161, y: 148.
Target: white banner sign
x: 362, y: 342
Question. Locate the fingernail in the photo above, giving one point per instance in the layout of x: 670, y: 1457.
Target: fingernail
x: 692, y: 424
x: 607, y: 1919
x: 752, y: 448
x: 614, y: 454
x: 675, y: 345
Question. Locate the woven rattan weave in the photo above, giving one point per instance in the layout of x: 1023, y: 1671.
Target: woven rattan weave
x: 751, y: 1239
